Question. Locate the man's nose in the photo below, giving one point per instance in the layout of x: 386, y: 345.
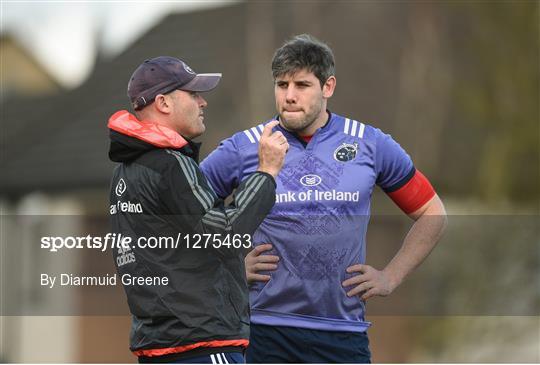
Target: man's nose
x: 290, y: 96
x: 202, y: 102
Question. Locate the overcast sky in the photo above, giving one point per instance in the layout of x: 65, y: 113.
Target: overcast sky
x: 62, y: 35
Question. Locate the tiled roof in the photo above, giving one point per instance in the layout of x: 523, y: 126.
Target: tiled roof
x: 61, y: 142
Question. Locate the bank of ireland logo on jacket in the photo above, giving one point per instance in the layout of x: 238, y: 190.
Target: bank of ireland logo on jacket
x: 310, y: 180
x: 120, y: 187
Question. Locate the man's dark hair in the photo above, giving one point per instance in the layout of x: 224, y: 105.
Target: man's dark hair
x: 304, y: 52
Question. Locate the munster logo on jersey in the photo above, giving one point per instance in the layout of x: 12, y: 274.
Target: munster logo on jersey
x: 346, y: 152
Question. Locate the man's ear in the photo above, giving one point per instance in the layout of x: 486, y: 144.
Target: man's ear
x: 162, y: 103
x: 329, y: 87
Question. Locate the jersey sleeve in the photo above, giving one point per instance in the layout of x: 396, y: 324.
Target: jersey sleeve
x: 398, y: 177
x: 394, y: 167
x: 222, y: 168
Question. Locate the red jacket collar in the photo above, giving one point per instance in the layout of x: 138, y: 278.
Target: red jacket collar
x: 147, y: 131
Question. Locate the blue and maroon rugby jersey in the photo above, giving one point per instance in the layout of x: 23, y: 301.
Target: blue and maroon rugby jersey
x: 318, y: 224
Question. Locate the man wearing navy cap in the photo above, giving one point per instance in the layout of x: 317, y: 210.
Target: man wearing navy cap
x: 188, y: 296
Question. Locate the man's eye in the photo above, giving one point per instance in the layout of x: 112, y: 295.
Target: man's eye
x: 194, y: 94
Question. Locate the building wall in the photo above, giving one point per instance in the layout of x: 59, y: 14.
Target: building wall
x: 21, y: 74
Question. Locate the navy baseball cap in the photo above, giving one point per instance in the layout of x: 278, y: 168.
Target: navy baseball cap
x: 164, y: 74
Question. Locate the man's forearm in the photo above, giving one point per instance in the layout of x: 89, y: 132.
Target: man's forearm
x: 426, y: 231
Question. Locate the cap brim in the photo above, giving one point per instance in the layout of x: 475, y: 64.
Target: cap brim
x: 202, y: 82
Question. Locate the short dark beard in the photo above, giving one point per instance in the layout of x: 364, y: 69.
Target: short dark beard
x: 305, y: 123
